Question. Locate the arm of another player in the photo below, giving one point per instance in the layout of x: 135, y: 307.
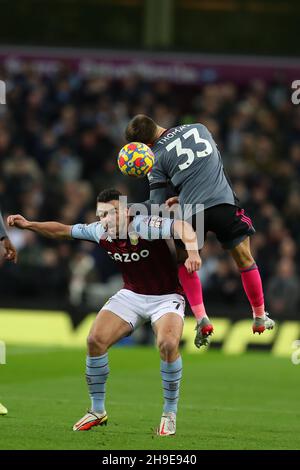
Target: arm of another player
x: 10, y: 253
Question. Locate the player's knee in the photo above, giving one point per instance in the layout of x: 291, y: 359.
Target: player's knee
x: 243, y: 257
x: 96, y: 344
x: 168, y: 345
x: 246, y: 260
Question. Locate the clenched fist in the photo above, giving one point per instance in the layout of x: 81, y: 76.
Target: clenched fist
x: 17, y: 221
x: 10, y: 253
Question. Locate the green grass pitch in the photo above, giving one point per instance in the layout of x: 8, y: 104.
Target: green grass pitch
x: 238, y: 402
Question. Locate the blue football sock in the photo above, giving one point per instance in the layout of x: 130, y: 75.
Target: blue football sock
x: 97, y: 371
x: 171, y: 373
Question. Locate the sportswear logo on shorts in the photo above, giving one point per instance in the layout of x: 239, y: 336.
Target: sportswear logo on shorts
x: 241, y: 213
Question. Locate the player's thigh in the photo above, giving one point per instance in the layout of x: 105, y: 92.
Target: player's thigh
x: 108, y: 328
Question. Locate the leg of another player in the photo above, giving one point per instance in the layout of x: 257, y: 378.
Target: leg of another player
x: 168, y: 331
x: 106, y: 330
x: 192, y: 287
x: 252, y: 284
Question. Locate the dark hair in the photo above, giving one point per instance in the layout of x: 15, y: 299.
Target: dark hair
x: 107, y: 195
x: 141, y: 128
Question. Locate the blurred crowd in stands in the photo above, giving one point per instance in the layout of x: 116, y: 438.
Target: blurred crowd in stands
x: 59, y: 138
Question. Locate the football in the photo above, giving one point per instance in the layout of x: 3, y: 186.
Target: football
x: 135, y: 159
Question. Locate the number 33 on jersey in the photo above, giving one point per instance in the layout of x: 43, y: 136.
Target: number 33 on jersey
x: 188, y: 156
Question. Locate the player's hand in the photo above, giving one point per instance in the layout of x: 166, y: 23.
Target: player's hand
x: 10, y: 253
x: 171, y: 201
x: 193, y: 262
x: 17, y: 221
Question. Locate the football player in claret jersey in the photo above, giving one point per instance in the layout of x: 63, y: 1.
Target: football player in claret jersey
x: 151, y: 292
x: 187, y: 157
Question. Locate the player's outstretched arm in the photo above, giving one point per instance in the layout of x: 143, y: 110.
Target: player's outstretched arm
x: 46, y: 229
x: 186, y: 233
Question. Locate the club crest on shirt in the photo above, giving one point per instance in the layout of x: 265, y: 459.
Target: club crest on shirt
x: 134, y: 238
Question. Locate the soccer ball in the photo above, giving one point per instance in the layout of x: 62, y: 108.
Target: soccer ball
x: 135, y: 159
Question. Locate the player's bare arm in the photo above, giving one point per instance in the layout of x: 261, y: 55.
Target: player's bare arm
x: 54, y: 230
x: 188, y: 236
